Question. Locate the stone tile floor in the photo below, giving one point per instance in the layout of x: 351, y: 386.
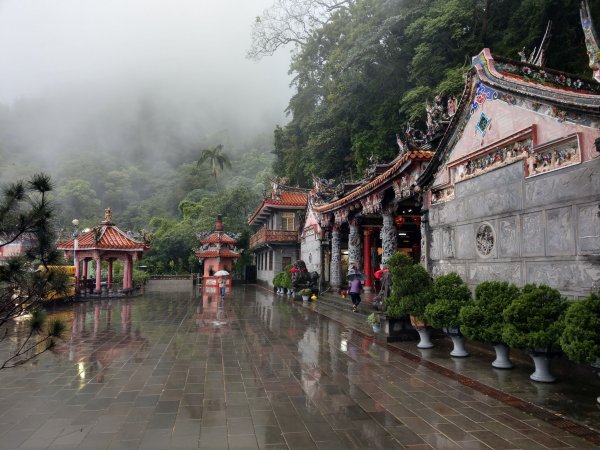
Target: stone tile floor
x: 183, y: 370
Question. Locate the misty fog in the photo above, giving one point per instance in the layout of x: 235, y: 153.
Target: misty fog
x: 139, y: 79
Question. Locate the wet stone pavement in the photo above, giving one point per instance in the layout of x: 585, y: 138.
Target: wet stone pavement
x: 185, y: 370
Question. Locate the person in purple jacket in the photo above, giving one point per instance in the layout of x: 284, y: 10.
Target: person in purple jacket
x: 354, y: 288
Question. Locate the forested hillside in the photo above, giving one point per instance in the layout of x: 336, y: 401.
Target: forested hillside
x: 361, y: 70
x: 374, y: 64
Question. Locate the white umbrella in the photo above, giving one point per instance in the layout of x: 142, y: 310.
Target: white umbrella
x: 221, y: 273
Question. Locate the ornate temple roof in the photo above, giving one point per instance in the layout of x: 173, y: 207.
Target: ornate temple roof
x: 282, y: 197
x: 105, y: 236
x: 490, y: 76
x: 378, y: 182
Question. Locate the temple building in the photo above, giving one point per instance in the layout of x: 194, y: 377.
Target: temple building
x: 362, y: 225
x: 105, y: 242
x: 277, y: 222
x: 217, y: 252
x: 513, y: 190
x: 503, y: 184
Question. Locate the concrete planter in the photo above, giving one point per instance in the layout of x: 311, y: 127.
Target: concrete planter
x: 542, y: 373
x: 458, y: 342
x: 502, y: 360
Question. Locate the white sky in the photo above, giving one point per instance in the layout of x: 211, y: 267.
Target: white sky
x: 188, y: 50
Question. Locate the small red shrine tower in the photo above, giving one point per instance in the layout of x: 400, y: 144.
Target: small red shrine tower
x: 218, y: 251
x: 104, y: 242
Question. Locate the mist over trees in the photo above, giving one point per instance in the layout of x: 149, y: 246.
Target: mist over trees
x: 361, y: 69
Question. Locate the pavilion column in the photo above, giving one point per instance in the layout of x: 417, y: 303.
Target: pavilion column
x: 98, y: 275
x: 335, y: 277
x: 389, y: 237
x: 85, y: 272
x: 127, y: 273
x: 77, y: 274
x: 354, y: 246
x: 110, y: 274
x: 367, y: 259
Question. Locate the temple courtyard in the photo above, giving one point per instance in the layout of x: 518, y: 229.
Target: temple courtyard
x: 183, y: 370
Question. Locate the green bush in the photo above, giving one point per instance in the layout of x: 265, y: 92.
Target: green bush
x: 411, y: 287
x: 580, y: 338
x: 534, y: 320
x: 451, y: 294
x: 482, y: 319
x: 305, y: 292
x: 277, y: 280
x: 286, y: 277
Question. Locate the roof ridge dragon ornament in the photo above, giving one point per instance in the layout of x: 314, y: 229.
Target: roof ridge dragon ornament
x: 591, y: 39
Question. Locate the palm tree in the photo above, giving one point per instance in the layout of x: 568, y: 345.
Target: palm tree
x: 217, y: 160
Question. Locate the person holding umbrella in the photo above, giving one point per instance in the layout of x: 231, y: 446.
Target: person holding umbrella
x: 354, y: 287
x: 222, y: 280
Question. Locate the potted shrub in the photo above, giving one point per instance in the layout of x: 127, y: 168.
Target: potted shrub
x: 277, y: 283
x: 580, y: 338
x: 451, y: 294
x: 410, y: 285
x: 533, y: 322
x: 373, y: 320
x: 286, y: 279
x: 481, y: 320
x: 305, y: 293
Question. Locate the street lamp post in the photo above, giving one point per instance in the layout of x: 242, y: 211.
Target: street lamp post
x: 75, y: 223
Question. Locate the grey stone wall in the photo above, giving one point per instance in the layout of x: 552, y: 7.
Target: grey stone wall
x: 545, y: 229
x: 310, y: 253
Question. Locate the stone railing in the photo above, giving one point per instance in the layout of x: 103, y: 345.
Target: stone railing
x: 266, y: 236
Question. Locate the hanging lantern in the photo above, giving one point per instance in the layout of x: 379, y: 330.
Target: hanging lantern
x: 399, y: 220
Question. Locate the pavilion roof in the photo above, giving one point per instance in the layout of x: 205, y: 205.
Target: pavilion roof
x: 220, y: 253
x: 218, y: 237
x: 104, y: 237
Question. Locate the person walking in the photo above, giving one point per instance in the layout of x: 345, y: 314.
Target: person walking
x: 354, y: 288
x: 222, y: 286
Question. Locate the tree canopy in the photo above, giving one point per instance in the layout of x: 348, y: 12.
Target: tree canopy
x: 370, y: 68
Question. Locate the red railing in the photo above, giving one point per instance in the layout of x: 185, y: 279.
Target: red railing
x: 266, y: 236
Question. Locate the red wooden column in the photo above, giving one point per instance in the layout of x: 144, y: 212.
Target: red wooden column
x: 367, y: 258
x: 98, y: 275
x: 110, y: 274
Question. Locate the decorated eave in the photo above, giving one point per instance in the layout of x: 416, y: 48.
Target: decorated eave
x: 217, y: 237
x: 379, y: 183
x: 105, y: 237
x: 490, y: 76
x: 217, y: 253
x: 279, y: 200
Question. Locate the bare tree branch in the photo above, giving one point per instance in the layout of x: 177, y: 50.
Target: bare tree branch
x: 290, y: 22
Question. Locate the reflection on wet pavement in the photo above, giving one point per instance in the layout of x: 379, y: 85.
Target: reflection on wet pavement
x: 185, y: 370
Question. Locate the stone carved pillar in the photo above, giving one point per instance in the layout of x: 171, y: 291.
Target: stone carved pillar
x: 354, y: 246
x: 425, y: 241
x: 389, y: 237
x: 335, y: 275
x: 367, y: 259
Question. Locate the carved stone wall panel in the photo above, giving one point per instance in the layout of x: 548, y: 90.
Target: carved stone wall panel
x: 482, y: 271
x: 563, y: 185
x: 588, y: 229
x: 511, y: 174
x: 532, y: 234
x: 504, y: 199
x: 560, y: 232
x: 436, y: 244
x: 507, y: 233
x: 447, y: 213
x: 464, y: 242
x: 448, y: 248
x: 486, y: 240
x: 444, y: 268
x: 564, y: 275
